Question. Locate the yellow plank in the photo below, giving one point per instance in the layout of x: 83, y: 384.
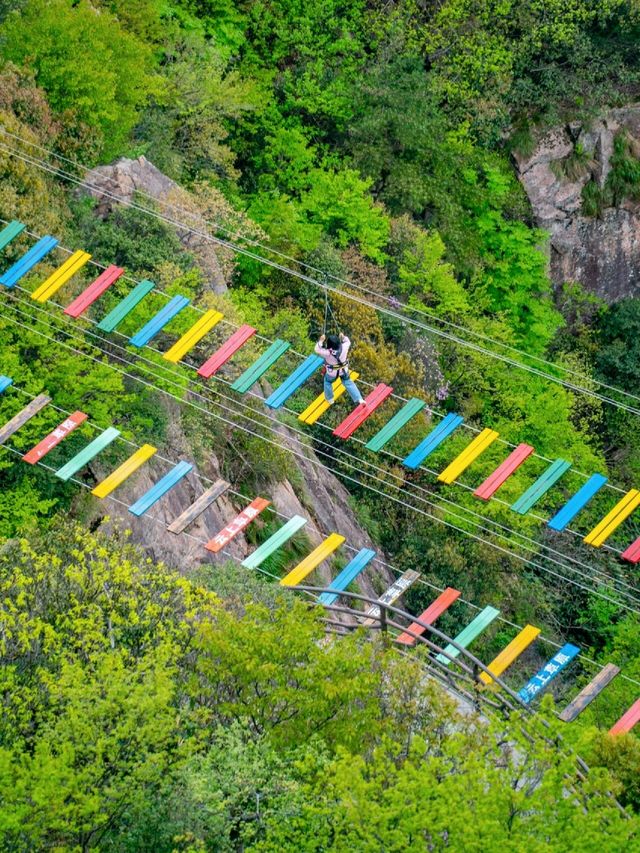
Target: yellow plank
x: 623, y: 509
x: 510, y: 652
x: 471, y: 452
x: 55, y: 281
x: 190, y: 338
x: 125, y: 470
x: 320, y: 405
x: 324, y: 550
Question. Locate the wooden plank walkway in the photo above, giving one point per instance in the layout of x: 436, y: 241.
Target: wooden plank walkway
x: 23, y: 416
x: 359, y: 415
x: 502, y: 473
x: 248, y: 514
x: 429, y: 616
x: 87, y: 453
x: 198, y: 507
x: 589, y: 693
x: 54, y: 438
x: 126, y: 306
x: 94, y: 291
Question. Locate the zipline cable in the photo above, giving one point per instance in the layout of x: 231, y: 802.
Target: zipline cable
x: 317, y: 463
x: 596, y: 573
x: 303, y: 355
x: 327, y: 275
x: 149, y: 516
x: 240, y: 250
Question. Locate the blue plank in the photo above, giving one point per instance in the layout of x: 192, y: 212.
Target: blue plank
x: 347, y: 575
x: 294, y: 381
x: 549, y: 671
x: 159, y: 321
x: 5, y: 381
x: 161, y: 488
x: 433, y: 440
x: 541, y: 486
x: 577, y: 502
x: 10, y: 233
x: 28, y: 261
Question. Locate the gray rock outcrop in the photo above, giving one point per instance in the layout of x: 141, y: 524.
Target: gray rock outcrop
x: 602, y: 253
x: 119, y: 182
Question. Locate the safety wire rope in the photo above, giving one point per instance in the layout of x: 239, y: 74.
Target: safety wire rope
x: 391, y: 313
x: 323, y: 273
x: 443, y: 676
x: 393, y: 569
x: 438, y: 672
x: 363, y: 382
x: 537, y: 546
x: 489, y: 531
x: 205, y: 235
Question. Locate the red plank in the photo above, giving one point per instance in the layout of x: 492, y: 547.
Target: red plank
x: 632, y: 553
x: 503, y: 471
x: 228, y: 348
x: 239, y: 523
x: 55, y: 437
x: 95, y: 289
x: 359, y: 415
x: 627, y: 721
x: 435, y: 609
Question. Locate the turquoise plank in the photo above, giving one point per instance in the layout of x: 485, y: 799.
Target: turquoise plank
x: 259, y: 367
x: 577, y: 502
x: 10, y: 233
x: 87, y: 453
x: 294, y: 381
x: 347, y: 575
x: 5, y: 381
x: 541, y: 486
x: 274, y: 542
x: 408, y: 411
x: 159, y: 321
x: 468, y: 634
x: 180, y: 470
x: 28, y: 261
x: 433, y: 440
x: 126, y: 306
x: 549, y: 671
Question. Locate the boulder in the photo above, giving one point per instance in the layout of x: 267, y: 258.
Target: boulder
x: 603, y: 254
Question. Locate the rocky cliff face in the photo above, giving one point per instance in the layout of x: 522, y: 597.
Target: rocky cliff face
x: 139, y: 181
x: 322, y: 498
x: 602, y: 253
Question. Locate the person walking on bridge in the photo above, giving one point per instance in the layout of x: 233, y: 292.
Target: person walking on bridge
x: 334, y: 349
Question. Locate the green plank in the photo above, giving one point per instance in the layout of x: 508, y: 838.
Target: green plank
x: 126, y: 306
x: 541, y: 486
x: 274, y: 542
x: 255, y: 371
x: 10, y: 232
x: 408, y: 411
x: 468, y: 634
x: 87, y: 453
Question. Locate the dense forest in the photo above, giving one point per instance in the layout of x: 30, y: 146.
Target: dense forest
x: 369, y: 148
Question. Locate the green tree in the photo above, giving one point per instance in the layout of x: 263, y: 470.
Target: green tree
x: 93, y: 71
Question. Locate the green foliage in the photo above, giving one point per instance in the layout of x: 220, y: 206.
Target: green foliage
x: 141, y: 712
x: 338, y: 201
x: 93, y: 71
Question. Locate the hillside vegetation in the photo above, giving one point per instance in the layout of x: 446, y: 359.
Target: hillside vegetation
x: 370, y: 142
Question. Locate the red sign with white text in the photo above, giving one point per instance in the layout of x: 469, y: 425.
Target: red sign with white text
x: 61, y: 431
x: 239, y: 523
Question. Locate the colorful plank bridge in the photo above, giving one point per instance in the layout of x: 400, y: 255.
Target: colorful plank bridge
x: 321, y: 553
x: 271, y: 357
x: 357, y: 418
